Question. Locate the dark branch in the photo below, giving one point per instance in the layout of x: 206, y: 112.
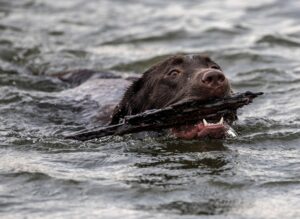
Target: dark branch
x: 186, y: 112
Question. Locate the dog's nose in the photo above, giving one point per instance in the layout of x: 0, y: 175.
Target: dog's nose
x: 213, y: 78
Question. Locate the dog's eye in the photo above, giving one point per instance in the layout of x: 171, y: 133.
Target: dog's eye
x: 215, y: 67
x: 173, y: 73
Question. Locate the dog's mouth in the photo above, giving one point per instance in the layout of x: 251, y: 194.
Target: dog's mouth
x: 204, y: 129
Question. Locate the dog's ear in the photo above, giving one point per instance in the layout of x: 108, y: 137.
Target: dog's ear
x: 130, y: 102
x: 136, y: 98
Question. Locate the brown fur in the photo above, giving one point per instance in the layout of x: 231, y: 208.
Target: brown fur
x: 177, y: 78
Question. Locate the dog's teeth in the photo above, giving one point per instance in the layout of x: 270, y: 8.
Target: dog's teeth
x: 204, y: 122
x: 221, y: 121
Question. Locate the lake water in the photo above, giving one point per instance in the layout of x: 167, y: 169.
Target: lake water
x: 256, y: 175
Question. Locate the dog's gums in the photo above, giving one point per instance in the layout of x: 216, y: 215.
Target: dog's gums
x: 201, y: 130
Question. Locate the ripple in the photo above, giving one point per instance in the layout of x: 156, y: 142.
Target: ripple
x: 76, y: 53
x: 10, y: 28
x: 279, y: 40
x: 31, y: 83
x: 283, y: 183
x: 139, y: 66
x: 269, y: 77
x: 172, y: 35
x: 263, y: 129
x: 236, y: 30
x: 43, y: 175
x: 210, y: 207
x: 5, y: 43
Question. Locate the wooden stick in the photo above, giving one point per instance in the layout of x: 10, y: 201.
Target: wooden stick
x: 183, y: 113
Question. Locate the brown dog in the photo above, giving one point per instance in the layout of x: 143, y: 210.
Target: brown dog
x: 178, y: 78
x: 175, y: 79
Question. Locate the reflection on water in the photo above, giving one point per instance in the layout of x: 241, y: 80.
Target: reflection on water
x: 255, y: 175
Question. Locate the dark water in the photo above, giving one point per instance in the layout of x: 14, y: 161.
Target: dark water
x: 256, y: 175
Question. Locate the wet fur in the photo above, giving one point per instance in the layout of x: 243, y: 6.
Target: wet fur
x: 155, y: 89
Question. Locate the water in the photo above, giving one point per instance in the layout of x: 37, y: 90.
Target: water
x: 256, y: 175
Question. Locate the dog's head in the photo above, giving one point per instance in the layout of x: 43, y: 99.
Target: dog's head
x: 178, y: 78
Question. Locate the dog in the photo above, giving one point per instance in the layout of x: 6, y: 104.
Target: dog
x: 175, y: 79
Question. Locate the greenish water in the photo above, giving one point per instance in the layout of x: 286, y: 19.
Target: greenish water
x: 256, y: 175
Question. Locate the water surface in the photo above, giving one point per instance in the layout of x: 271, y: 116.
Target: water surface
x: 256, y: 175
